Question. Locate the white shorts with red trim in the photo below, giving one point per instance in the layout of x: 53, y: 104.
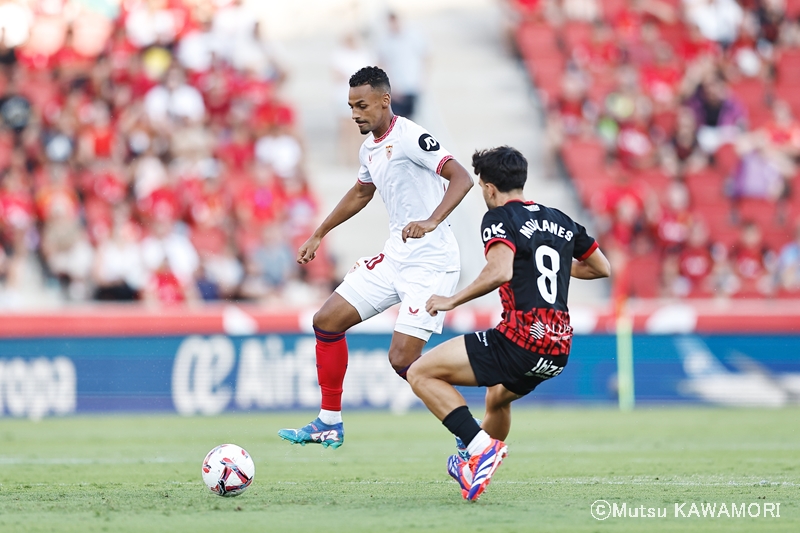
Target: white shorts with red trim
x: 375, y: 284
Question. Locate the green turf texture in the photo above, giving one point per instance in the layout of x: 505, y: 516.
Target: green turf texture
x: 142, y: 473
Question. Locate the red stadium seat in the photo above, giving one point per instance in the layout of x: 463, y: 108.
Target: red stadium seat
x: 576, y: 34
x: 612, y: 8
x: 787, y: 66
x: 582, y: 155
x: 654, y: 178
x: 706, y: 187
x: 752, y: 92
x: 789, y: 92
x: 792, y: 9
x: 644, y: 273
x: 726, y: 159
x: 721, y: 225
x: 759, y: 117
x: 536, y: 40
x: 762, y: 212
x: 673, y: 34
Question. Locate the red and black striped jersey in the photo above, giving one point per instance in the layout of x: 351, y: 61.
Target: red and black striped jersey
x: 544, y: 241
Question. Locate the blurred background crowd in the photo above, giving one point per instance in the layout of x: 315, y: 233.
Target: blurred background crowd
x: 678, y: 123
x: 147, y: 152
x: 150, y: 149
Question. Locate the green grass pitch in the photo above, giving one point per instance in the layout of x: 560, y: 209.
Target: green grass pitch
x: 142, y: 473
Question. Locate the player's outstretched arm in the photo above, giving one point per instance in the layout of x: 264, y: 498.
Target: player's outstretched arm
x: 460, y: 184
x: 498, y: 270
x: 593, y: 267
x: 351, y: 203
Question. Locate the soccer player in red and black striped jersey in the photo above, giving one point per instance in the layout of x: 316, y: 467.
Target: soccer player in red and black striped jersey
x: 531, y: 251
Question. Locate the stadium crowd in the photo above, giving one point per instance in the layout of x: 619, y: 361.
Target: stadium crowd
x: 678, y: 123
x: 147, y: 153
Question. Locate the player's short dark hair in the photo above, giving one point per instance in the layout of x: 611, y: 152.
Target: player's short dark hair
x: 504, y: 167
x: 372, y: 76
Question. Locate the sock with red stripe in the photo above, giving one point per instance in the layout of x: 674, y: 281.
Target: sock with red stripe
x: 331, y: 367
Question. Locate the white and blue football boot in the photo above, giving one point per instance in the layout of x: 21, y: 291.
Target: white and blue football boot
x: 317, y: 432
x: 483, y: 467
x: 460, y: 471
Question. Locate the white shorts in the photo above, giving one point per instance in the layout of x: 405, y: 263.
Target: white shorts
x: 374, y: 284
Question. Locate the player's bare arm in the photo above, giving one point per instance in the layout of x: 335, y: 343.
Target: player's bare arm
x: 460, y: 184
x: 498, y: 270
x: 351, y: 203
x: 593, y: 267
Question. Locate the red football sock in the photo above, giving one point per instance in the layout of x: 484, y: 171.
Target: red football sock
x: 331, y: 367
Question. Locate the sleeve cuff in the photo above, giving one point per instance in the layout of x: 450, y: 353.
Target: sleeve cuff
x: 444, y: 160
x: 498, y: 239
x: 588, y: 252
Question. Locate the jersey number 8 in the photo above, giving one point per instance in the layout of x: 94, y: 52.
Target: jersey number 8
x: 548, y: 274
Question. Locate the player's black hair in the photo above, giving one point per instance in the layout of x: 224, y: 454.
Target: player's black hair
x: 372, y: 76
x: 504, y: 167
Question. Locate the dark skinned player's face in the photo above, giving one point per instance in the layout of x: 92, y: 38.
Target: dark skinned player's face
x: 369, y: 106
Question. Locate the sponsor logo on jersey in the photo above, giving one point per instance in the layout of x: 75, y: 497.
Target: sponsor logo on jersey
x: 558, y: 333
x: 532, y: 208
x: 545, y: 369
x: 496, y: 230
x: 388, y: 151
x: 370, y: 158
x: 413, y: 311
x: 428, y: 143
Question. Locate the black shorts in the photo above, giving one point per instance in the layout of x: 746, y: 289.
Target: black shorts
x: 496, y: 360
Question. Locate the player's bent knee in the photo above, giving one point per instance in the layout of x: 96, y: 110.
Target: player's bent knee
x: 414, y: 376
x: 320, y: 320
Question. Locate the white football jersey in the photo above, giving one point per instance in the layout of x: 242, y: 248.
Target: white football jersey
x: 404, y: 165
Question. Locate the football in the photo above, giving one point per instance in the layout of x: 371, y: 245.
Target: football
x: 228, y: 470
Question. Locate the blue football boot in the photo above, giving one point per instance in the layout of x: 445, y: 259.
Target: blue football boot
x: 317, y: 432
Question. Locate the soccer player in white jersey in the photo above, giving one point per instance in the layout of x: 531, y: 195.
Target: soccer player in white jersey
x: 405, y: 164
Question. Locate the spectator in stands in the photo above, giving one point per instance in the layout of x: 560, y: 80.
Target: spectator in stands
x: 270, y: 266
x: 789, y: 265
x: 68, y: 253
x: 718, y: 20
x: 719, y: 115
x: 622, y: 210
x: 674, y: 220
x: 280, y: 150
x: 681, y: 154
x: 173, y: 101
x: 782, y: 133
x: 403, y: 54
x: 762, y: 172
x: 166, y: 251
x: 350, y: 56
x: 98, y: 122
x: 154, y: 22
x: 635, y: 148
x: 753, y: 263
x: 118, y: 273
x: 697, y: 260
x: 673, y: 283
x: 582, y: 10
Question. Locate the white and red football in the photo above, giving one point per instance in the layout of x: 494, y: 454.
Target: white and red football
x: 228, y: 470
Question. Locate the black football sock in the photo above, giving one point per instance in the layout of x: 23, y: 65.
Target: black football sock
x: 461, y: 424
